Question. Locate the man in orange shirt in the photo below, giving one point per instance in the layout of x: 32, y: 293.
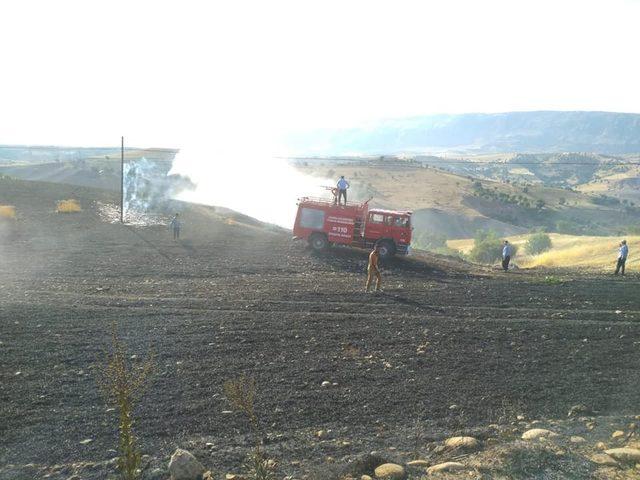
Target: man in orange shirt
x: 373, y: 270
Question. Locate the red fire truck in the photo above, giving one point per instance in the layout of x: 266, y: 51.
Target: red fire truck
x: 323, y: 223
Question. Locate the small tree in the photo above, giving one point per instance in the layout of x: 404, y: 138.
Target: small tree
x: 122, y: 386
x: 538, y: 243
x: 486, y: 248
x: 241, y: 394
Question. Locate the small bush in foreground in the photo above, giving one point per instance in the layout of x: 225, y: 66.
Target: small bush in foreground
x: 122, y: 386
x: 7, y: 211
x: 538, y: 243
x: 68, y: 206
x: 241, y: 394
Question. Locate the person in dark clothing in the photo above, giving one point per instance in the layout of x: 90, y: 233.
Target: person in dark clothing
x: 623, y: 253
x: 175, y: 226
x: 507, y: 251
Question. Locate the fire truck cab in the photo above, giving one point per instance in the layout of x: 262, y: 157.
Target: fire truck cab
x: 323, y: 223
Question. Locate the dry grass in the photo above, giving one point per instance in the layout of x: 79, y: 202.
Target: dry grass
x: 7, y: 211
x: 574, y: 251
x: 68, y: 206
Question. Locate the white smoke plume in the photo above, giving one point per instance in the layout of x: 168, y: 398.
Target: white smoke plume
x: 254, y: 183
x: 148, y: 187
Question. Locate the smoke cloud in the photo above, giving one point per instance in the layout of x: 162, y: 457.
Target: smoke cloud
x: 255, y: 183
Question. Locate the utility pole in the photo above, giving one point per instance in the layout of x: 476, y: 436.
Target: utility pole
x: 122, y: 180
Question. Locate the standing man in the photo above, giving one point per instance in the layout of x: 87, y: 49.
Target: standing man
x: 507, y: 251
x: 372, y: 269
x: 622, y: 257
x: 342, y: 189
x: 175, y: 226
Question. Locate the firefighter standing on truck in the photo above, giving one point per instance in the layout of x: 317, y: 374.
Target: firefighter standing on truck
x: 373, y: 269
x: 342, y: 189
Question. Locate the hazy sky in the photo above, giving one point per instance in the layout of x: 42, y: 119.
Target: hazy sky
x: 180, y: 72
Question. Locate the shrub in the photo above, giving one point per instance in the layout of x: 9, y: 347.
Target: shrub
x: 538, y: 243
x: 7, y: 211
x: 122, y: 386
x: 241, y: 394
x: 487, y: 247
x: 68, y: 206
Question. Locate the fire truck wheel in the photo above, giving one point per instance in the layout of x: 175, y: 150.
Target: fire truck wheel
x: 387, y: 249
x: 318, y: 241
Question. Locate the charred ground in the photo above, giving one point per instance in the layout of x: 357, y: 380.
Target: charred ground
x: 234, y: 298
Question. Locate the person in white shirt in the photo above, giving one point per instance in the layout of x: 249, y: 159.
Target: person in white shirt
x: 506, y: 255
x: 623, y: 253
x: 342, y: 189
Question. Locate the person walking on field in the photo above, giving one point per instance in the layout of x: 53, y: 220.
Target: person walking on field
x: 175, y: 226
x: 374, y: 270
x: 342, y: 189
x: 507, y: 251
x: 623, y: 253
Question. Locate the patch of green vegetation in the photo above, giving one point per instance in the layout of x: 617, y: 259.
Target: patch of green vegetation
x: 537, y: 243
x: 487, y: 247
x: 553, y: 280
x: 432, y: 242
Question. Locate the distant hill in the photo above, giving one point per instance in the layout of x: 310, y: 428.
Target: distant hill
x: 532, y: 132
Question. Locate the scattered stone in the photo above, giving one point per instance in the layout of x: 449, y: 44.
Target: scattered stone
x: 390, y: 471
x: 325, y: 384
x: 579, y: 409
x: 536, y: 433
x: 418, y: 463
x: 463, y: 443
x: 320, y: 434
x: 601, y: 446
x: 440, y: 449
x: 184, y: 466
x: 624, y: 455
x: 617, y: 434
x: 365, y: 477
x: 445, y: 467
x: 86, y: 441
x: 577, y: 439
x: 604, y: 460
x: 157, y: 474
x: 234, y: 476
x: 207, y: 475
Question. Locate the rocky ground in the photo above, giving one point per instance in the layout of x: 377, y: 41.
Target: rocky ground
x: 447, y: 350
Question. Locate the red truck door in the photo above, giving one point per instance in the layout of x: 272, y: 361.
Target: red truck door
x: 375, y: 227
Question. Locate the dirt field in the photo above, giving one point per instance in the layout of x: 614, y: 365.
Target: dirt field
x: 445, y: 349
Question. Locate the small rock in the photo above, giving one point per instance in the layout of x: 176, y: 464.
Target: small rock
x: 601, y: 446
x: 577, y: 439
x: 463, y: 443
x: 418, y: 463
x: 445, y: 467
x: 624, y: 455
x: 320, y: 434
x: 207, y: 475
x: 157, y: 474
x: 617, y: 434
x: 184, y: 466
x: 536, y: 433
x: 325, y: 384
x: 86, y: 441
x: 579, y: 409
x: 603, y: 459
x: 440, y: 449
x: 390, y: 471
x: 365, y: 477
